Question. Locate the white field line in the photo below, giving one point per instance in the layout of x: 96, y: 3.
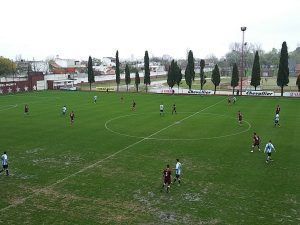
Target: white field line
x: 36, y: 192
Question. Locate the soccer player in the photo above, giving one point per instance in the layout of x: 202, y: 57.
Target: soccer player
x: 26, y: 110
x: 240, y: 117
x: 4, y: 160
x: 256, y: 142
x: 64, y: 110
x: 72, y: 117
x: 277, y: 109
x: 161, y: 109
x: 178, y: 169
x: 95, y: 98
x: 229, y: 100
x: 174, y: 109
x: 268, y: 149
x: 233, y: 99
x: 167, y: 178
x: 276, y: 120
x: 133, y: 105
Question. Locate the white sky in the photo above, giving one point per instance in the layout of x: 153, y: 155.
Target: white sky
x: 77, y: 29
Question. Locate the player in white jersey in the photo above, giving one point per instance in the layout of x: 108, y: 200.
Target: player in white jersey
x: 95, y: 98
x: 161, y: 109
x: 64, y: 110
x: 276, y: 120
x: 4, y: 160
x: 268, y: 150
x: 178, y: 170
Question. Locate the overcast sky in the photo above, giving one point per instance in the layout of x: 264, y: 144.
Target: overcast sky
x: 77, y: 29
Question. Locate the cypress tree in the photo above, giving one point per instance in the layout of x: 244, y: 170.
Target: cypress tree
x: 202, y: 76
x: 298, y: 82
x: 127, y: 76
x: 91, y: 77
x: 255, y: 78
x: 171, y: 75
x: 215, y: 77
x: 147, y: 70
x: 178, y: 76
x: 283, y: 70
x: 117, y: 70
x: 137, y: 81
x: 234, y: 77
x: 190, y: 70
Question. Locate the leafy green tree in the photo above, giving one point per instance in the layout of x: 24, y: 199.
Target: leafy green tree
x: 178, y: 75
x: 117, y: 70
x: 147, y: 70
x: 137, y: 81
x: 283, y: 70
x: 171, y: 75
x: 202, y: 76
x: 127, y: 76
x: 298, y: 82
x: 189, y: 73
x: 91, y: 77
x: 255, y: 78
x: 6, y: 66
x: 215, y: 77
x: 235, y: 77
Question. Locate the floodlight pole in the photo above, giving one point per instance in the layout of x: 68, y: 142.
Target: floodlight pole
x: 243, y: 29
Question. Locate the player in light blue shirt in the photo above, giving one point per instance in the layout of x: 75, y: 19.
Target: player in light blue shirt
x: 4, y: 160
x: 268, y: 150
x: 276, y: 120
x: 178, y: 170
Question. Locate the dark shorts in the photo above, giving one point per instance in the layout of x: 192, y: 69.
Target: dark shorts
x: 276, y: 121
x: 256, y: 144
x: 269, y: 153
x: 177, y: 176
x: 5, y: 166
x: 161, y: 110
x: 167, y: 181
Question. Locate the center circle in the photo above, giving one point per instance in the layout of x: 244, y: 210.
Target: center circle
x: 199, y: 126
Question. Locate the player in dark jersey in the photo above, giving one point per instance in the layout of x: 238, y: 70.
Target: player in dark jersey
x: 277, y: 109
x: 72, y: 117
x: 240, y: 117
x: 174, y: 109
x: 229, y: 100
x: 26, y: 109
x: 167, y: 178
x: 133, y: 105
x: 256, y: 142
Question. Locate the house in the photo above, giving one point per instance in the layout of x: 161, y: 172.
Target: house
x: 64, y: 66
x: 108, y: 61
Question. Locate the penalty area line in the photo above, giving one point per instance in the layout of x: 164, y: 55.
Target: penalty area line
x: 38, y: 191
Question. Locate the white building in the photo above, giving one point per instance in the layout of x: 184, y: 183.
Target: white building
x: 108, y: 61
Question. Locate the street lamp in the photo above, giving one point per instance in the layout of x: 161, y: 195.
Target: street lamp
x: 243, y: 29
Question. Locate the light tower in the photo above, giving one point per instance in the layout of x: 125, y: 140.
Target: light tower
x: 243, y: 29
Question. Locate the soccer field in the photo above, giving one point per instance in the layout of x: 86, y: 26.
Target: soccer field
x: 107, y: 167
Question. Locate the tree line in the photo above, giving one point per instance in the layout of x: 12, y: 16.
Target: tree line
x: 174, y: 75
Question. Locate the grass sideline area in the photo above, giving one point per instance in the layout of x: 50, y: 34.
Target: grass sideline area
x: 107, y: 167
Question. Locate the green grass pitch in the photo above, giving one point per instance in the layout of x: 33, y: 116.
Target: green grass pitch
x: 107, y: 167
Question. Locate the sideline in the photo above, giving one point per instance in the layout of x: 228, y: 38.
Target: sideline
x: 38, y: 191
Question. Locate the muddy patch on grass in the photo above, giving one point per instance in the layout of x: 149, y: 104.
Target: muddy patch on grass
x: 192, y: 197
x: 34, y: 151
x: 59, y: 161
x: 153, y: 202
